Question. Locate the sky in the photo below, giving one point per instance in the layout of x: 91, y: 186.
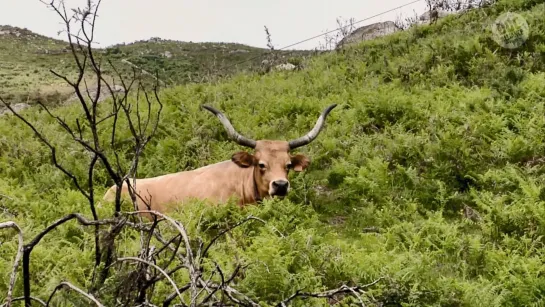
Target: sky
x: 235, y: 21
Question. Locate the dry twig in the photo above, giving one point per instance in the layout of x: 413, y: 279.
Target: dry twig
x: 68, y: 285
x: 20, y: 298
x: 17, y: 260
x: 159, y: 269
x: 329, y: 293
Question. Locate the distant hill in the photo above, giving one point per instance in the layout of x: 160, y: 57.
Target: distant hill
x: 27, y: 58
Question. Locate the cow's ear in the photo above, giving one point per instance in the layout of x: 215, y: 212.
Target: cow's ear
x: 299, y: 162
x: 243, y: 159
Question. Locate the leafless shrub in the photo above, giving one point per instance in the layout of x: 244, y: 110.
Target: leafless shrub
x: 271, y: 58
x: 335, y: 41
x: 144, y: 273
x: 403, y: 23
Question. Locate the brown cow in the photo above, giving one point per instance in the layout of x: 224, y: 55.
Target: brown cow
x: 248, y: 177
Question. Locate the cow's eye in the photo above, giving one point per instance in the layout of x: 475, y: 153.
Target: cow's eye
x: 289, y: 166
x: 261, y: 165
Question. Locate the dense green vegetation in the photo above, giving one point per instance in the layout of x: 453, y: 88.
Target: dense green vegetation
x: 437, y: 145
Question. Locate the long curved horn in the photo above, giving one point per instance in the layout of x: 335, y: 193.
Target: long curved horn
x: 309, y: 137
x: 233, y: 134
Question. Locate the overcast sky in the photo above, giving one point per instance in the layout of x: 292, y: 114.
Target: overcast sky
x: 241, y: 21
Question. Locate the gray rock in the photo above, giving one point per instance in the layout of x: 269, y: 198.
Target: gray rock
x: 368, y: 32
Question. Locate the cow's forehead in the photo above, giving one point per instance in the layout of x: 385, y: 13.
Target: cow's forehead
x: 272, y: 150
x: 272, y: 146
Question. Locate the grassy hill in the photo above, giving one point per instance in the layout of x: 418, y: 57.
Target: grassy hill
x: 28, y: 57
x: 428, y: 174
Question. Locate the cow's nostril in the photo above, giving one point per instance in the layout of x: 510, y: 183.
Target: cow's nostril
x: 281, y: 184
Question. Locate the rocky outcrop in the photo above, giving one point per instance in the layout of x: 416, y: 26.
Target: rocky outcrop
x: 379, y: 29
x: 368, y: 32
x: 13, y: 31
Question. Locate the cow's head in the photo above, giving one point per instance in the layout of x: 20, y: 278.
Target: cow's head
x: 271, y: 160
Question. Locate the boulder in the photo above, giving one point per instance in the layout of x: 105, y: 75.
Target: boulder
x: 368, y: 32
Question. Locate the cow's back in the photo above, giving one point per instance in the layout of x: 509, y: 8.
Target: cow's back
x: 216, y: 182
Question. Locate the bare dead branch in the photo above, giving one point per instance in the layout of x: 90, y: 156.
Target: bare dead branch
x: 92, y: 205
x: 329, y: 293
x: 193, y: 273
x: 17, y: 260
x: 66, y: 284
x: 357, y: 296
x: 210, y: 292
x: 168, y: 243
x: 20, y: 298
x: 229, y: 292
x: 27, y: 249
x: 159, y: 269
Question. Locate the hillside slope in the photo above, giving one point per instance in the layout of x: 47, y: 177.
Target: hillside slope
x: 28, y: 57
x: 429, y: 173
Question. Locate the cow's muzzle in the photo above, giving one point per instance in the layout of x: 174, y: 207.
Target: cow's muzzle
x: 280, y: 187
